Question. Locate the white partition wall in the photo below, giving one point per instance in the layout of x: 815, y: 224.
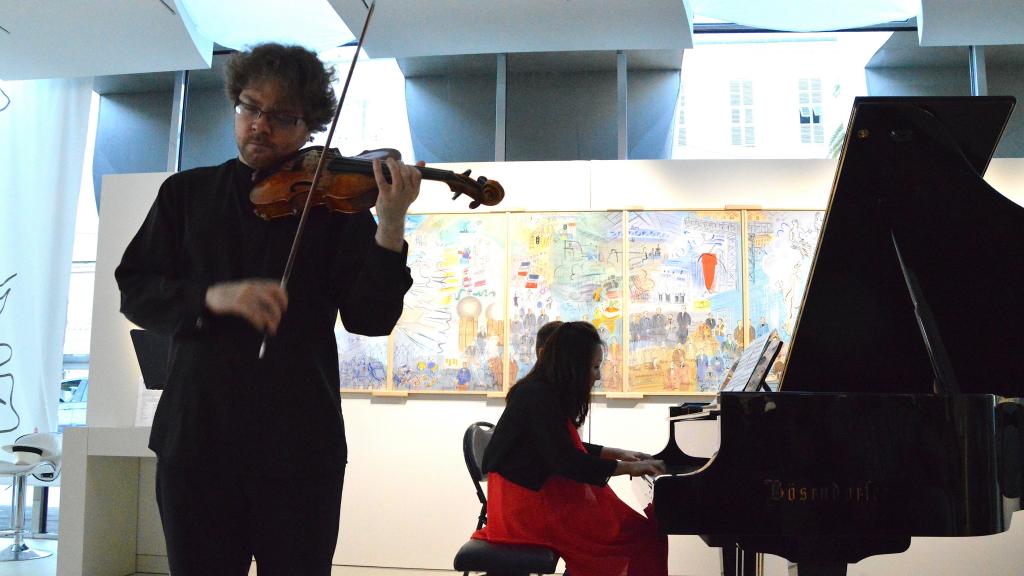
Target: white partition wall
x: 408, y: 501
x: 114, y: 374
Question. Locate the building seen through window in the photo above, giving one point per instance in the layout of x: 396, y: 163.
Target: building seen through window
x: 741, y: 104
x: 680, y: 139
x: 746, y: 87
x: 374, y: 112
x: 811, y: 130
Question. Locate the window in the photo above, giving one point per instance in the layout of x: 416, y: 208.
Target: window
x: 724, y: 118
x: 741, y: 104
x: 811, y: 129
x: 374, y: 113
x: 78, y: 326
x: 680, y: 138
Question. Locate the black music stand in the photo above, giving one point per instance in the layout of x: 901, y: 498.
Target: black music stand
x: 152, y: 351
x: 749, y: 371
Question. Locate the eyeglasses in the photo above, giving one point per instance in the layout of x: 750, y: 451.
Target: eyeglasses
x: 248, y: 112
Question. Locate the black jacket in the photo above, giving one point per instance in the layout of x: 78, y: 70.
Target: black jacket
x: 222, y: 407
x: 531, y: 442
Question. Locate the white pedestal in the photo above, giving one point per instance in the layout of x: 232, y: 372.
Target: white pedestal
x: 100, y: 500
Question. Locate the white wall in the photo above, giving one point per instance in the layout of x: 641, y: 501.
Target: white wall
x: 408, y: 500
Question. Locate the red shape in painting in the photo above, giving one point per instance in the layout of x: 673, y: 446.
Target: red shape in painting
x: 708, y: 263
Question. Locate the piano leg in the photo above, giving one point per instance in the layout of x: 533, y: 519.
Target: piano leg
x: 738, y: 562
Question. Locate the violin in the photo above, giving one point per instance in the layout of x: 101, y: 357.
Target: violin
x: 347, y: 183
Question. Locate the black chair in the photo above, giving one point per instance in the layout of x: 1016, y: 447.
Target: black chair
x: 483, y: 556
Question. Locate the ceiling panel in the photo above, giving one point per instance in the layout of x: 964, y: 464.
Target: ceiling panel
x: 903, y: 51
x: 64, y: 39
x: 971, y: 22
x: 70, y: 38
x: 409, y: 28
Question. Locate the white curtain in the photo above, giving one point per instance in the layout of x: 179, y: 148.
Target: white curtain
x: 42, y: 145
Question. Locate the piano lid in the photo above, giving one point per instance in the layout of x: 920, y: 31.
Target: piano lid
x: 911, y: 169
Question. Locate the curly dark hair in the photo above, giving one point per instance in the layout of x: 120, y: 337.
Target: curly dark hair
x: 565, y: 364
x: 298, y: 70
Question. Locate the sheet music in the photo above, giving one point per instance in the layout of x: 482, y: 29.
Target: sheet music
x: 146, y: 406
x: 744, y: 367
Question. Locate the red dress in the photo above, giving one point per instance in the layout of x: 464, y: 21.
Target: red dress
x: 596, y: 533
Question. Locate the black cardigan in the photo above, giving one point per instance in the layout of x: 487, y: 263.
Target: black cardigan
x: 223, y: 408
x: 531, y: 442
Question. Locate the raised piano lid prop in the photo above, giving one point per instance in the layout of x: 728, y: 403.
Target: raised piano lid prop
x: 899, y: 413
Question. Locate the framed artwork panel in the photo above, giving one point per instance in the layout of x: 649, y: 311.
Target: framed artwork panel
x: 362, y: 360
x: 781, y: 247
x: 685, y: 299
x: 451, y: 335
x: 566, y: 266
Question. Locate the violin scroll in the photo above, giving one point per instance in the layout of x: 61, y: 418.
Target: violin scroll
x: 481, y: 190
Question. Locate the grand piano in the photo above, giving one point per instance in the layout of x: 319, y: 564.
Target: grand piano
x: 899, y: 412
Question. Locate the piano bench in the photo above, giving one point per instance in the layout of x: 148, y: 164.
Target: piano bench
x: 505, y: 559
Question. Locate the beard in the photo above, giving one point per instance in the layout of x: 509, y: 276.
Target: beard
x: 258, y: 152
x: 262, y: 149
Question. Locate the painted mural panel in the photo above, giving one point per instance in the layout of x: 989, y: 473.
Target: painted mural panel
x: 685, y: 299
x: 362, y: 360
x: 451, y: 334
x: 781, y: 251
x: 566, y: 266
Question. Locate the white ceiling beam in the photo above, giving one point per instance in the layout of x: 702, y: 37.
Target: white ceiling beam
x: 62, y: 39
x: 410, y: 28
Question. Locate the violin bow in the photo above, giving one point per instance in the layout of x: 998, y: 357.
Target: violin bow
x: 319, y: 167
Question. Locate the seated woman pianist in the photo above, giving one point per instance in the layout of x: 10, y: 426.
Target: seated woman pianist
x: 546, y: 487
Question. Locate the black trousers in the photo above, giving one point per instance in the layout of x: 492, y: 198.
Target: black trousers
x: 216, y: 523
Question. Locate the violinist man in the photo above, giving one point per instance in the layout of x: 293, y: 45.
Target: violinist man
x: 251, y: 451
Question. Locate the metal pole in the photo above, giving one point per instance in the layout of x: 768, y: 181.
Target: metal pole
x: 500, y: 109
x: 623, y: 107
x: 177, y: 121
x: 979, y: 78
x: 18, y: 522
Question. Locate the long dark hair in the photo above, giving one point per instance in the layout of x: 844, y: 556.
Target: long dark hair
x: 565, y: 365
x: 299, y: 71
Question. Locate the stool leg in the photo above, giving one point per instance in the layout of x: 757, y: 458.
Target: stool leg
x: 19, y: 550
